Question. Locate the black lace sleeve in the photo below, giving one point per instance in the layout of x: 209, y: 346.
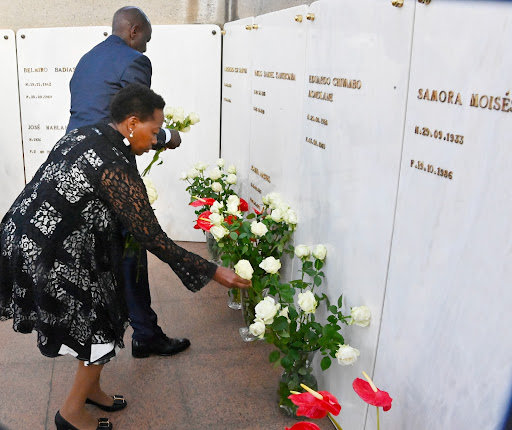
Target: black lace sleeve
x: 124, y: 191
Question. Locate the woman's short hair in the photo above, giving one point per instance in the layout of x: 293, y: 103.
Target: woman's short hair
x: 135, y: 100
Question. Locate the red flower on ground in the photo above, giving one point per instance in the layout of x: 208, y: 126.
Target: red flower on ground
x: 366, y: 392
x: 304, y: 425
x: 312, y: 407
x: 203, y: 222
x: 202, y: 202
x: 243, y: 206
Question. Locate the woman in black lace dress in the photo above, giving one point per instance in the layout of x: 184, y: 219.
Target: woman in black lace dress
x: 61, y: 247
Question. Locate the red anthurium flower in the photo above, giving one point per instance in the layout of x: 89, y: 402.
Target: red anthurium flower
x: 243, y: 206
x: 203, y: 222
x: 256, y: 211
x: 304, y: 425
x: 312, y: 407
x: 366, y: 392
x: 230, y: 219
x: 202, y: 202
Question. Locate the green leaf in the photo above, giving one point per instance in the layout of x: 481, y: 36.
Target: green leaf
x: 325, y: 363
x: 318, y: 281
x: 251, y: 216
x: 274, y: 356
x: 233, y: 235
x: 280, y: 323
x: 340, y: 301
x: 318, y: 264
x: 333, y: 309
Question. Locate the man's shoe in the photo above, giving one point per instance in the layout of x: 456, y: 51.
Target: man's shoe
x: 164, y: 346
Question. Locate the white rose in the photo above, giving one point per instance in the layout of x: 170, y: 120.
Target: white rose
x: 302, y: 251
x: 185, y: 129
x: 277, y: 215
x: 214, y: 174
x: 216, y: 219
x: 347, y: 355
x: 178, y: 115
x: 218, y: 232
x: 320, y: 252
x: 200, y: 166
x: 266, y: 310
x: 283, y: 206
x: 151, y: 190
x: 232, y: 205
x: 290, y: 217
x: 284, y: 313
x: 244, y: 269
x: 270, y: 265
x: 257, y: 329
x: 221, y: 162
x: 258, y: 228
x: 193, y: 117
x: 216, y: 207
x: 232, y: 169
x: 271, y: 198
x: 307, y: 302
x: 231, y: 179
x: 193, y: 173
x: 183, y: 176
x: 360, y: 316
x: 216, y: 187
x: 169, y: 111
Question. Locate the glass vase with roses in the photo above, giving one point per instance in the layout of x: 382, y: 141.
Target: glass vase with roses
x: 286, y: 318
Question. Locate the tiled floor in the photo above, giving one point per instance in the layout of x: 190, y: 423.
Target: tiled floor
x: 219, y: 383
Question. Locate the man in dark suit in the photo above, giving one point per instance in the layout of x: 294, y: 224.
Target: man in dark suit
x: 101, y: 73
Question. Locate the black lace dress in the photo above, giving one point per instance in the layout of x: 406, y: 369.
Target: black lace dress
x: 61, y: 246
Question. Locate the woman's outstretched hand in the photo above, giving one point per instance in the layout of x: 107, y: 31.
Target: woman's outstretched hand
x: 230, y: 279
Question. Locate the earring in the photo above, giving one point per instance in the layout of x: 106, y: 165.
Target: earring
x: 131, y: 132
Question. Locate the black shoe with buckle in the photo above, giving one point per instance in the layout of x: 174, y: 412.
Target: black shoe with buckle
x: 62, y: 424
x: 163, y: 346
x: 119, y: 403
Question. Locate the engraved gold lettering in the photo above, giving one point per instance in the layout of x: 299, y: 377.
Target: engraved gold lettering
x: 322, y: 80
x: 320, y: 95
x: 441, y: 96
x: 255, y: 204
x: 286, y: 76
x: 268, y: 75
x: 258, y: 73
x: 256, y: 188
x: 227, y: 100
x: 227, y: 85
x: 255, y: 170
x: 257, y: 109
x: 347, y: 83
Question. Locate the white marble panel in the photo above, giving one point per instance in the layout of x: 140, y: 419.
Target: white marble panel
x: 444, y: 353
x: 279, y: 48
x: 357, y: 70
x: 186, y: 63
x: 237, y: 99
x: 12, y: 178
x: 46, y: 60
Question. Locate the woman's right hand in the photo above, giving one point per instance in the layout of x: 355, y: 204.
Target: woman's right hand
x: 230, y: 279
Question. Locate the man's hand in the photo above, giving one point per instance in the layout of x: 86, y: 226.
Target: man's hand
x: 174, y: 141
x: 230, y: 279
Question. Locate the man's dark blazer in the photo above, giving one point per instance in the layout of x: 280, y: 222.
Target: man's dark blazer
x: 101, y: 73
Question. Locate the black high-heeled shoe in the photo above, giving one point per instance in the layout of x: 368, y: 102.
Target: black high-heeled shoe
x: 119, y: 403
x: 62, y: 424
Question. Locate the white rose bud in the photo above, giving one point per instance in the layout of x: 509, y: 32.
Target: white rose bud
x: 221, y: 162
x: 218, y: 232
x: 216, y: 207
x: 284, y: 313
x: 302, y: 251
x: 347, y: 355
x: 185, y: 129
x: 232, y: 169
x: 290, y: 217
x: 258, y: 228
x: 151, y: 190
x: 200, y: 166
x: 183, y: 176
x: 320, y: 252
x: 360, y: 316
x: 270, y: 265
x: 216, y: 187
x: 231, y: 179
x: 193, y: 173
x: 216, y: 219
x: 307, y: 302
x: 257, y: 329
x: 266, y: 310
x: 193, y: 117
x: 244, y: 269
x: 277, y: 215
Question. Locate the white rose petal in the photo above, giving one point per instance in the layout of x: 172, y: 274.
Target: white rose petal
x: 290, y: 217
x: 258, y: 228
x: 218, y: 232
x: 216, y: 219
x: 232, y: 169
x: 217, y: 187
x: 193, y: 117
x: 283, y: 206
x: 183, y: 176
x: 214, y: 174
x: 193, y: 173
x: 216, y: 207
x: 233, y: 200
x: 231, y: 179
x: 151, y: 190
x: 169, y: 111
x: 270, y: 265
x: 284, y: 313
x: 360, y: 316
x: 302, y: 251
x: 347, y: 355
x: 266, y: 310
x: 185, y: 129
x: 307, y: 302
x: 200, y: 166
x: 257, y: 329
x: 221, y: 162
x: 320, y: 252
x: 244, y: 269
x: 276, y: 215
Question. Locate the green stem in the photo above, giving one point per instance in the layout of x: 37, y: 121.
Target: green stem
x: 334, y: 421
x: 378, y: 424
x: 155, y: 159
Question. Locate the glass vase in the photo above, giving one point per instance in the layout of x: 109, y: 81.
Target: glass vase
x: 247, y: 304
x: 299, y: 373
x: 213, y: 248
x: 234, y: 299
